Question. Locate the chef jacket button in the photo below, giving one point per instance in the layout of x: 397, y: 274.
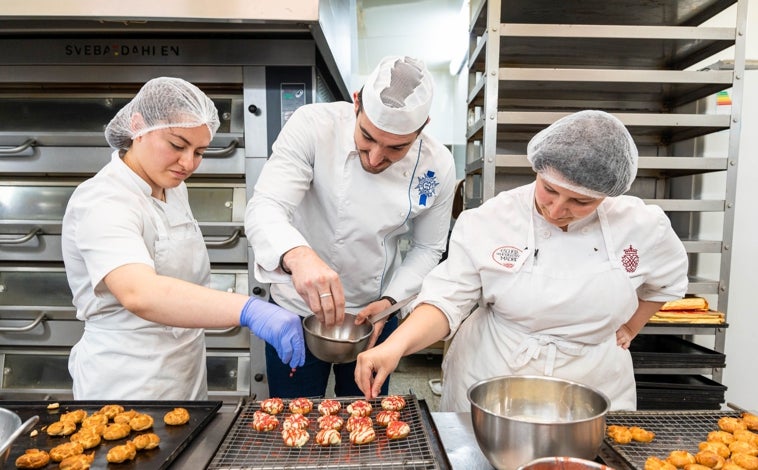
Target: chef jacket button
x: 585, y: 230
x: 405, y: 173
x: 546, y: 234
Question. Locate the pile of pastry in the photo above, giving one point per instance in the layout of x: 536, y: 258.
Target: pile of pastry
x: 85, y: 432
x: 687, y: 310
x: 358, y: 422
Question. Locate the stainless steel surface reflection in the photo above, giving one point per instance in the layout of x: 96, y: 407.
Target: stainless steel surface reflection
x: 457, y: 436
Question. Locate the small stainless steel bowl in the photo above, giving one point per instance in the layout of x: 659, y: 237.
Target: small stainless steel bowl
x: 563, y: 463
x: 337, y: 344
x: 517, y: 419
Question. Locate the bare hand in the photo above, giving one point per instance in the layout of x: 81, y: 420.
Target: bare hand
x: 372, y: 368
x: 317, y: 284
x: 372, y: 309
x: 624, y: 337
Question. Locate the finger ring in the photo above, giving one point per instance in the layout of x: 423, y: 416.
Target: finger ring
x: 326, y: 294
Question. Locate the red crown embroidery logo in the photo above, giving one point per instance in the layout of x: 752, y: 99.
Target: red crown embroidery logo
x: 631, y: 259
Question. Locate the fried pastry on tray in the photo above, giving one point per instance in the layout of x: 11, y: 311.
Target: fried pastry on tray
x: 263, y: 421
x: 329, y: 407
x: 330, y: 422
x: 328, y: 437
x: 398, y: 430
x: 301, y: 406
x: 116, y: 431
x: 355, y: 422
x: 33, y: 458
x: 720, y: 436
x: 680, y: 458
x: 146, y: 441
x: 67, y: 449
x: 294, y: 437
x: 359, y: 408
x: 176, y: 417
x: 710, y: 459
x: 641, y: 434
x: 77, y: 462
x: 61, y: 428
x: 656, y: 463
x: 619, y: 434
x: 77, y: 416
x: 393, y: 403
x: 111, y: 410
x: 748, y: 462
x: 731, y: 424
x: 750, y: 420
x: 747, y: 436
x: 87, y: 437
x: 94, y: 420
x: 272, y: 406
x: 141, y: 422
x: 718, y: 448
x: 743, y: 447
x: 696, y: 466
x: 122, y: 453
x: 296, y: 421
x: 362, y: 435
x: 385, y: 417
x: 125, y: 416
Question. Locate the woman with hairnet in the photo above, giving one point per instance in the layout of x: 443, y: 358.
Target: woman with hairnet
x: 563, y: 272
x: 137, y: 264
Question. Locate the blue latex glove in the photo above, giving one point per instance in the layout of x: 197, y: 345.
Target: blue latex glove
x: 278, y: 327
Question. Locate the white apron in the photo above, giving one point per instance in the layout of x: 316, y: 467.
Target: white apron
x: 488, y: 344
x: 126, y: 357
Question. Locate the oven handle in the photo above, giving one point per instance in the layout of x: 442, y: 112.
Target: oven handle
x: 227, y: 241
x: 222, y: 153
x: 211, y: 331
x: 17, y: 241
x: 19, y: 149
x: 21, y: 329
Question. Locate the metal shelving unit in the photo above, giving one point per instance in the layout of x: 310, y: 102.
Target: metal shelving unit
x: 532, y: 62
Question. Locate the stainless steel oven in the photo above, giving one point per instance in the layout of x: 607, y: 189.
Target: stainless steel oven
x: 54, y: 103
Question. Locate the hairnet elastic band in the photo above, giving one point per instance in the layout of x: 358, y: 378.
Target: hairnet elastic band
x: 554, y: 177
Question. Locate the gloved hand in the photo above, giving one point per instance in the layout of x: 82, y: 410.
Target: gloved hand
x: 280, y: 328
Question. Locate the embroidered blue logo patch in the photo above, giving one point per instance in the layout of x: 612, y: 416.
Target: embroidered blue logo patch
x: 427, y: 187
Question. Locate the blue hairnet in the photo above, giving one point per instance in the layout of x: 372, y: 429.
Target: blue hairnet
x: 590, y: 149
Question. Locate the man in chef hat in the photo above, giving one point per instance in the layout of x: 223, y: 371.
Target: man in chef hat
x: 345, y: 183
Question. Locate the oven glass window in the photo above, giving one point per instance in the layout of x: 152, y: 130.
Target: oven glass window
x: 36, y: 371
x: 222, y: 373
x: 29, y: 288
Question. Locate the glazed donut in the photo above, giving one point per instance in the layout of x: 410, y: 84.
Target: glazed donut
x: 111, y: 410
x: 641, y: 434
x: 393, y: 403
x: 716, y: 447
x: 359, y: 408
x: 710, y: 459
x: 87, y: 437
x: 720, y: 436
x: 655, y: 463
x: 329, y: 407
x: 730, y: 424
x: 398, y: 430
x: 61, y: 428
x: 385, y: 417
x: 296, y: 421
x: 67, y: 449
x: 33, y: 458
x: 358, y: 422
x: 301, y: 406
x: 94, y: 420
x: 146, y: 441
x: 619, y: 434
x: 294, y: 437
x: 680, y: 458
x: 330, y: 422
x: 748, y: 462
x: 122, y: 453
x: 328, y: 437
x: 272, y: 406
x: 76, y: 416
x: 743, y: 447
x: 750, y: 420
x: 362, y: 435
x: 141, y: 421
x: 176, y: 417
x: 125, y: 416
x: 116, y: 431
x: 263, y: 421
x: 77, y: 462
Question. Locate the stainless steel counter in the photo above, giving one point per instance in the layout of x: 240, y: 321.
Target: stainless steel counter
x: 457, y: 436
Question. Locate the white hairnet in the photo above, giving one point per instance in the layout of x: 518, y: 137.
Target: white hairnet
x: 160, y: 103
x: 397, y: 95
x: 590, y: 150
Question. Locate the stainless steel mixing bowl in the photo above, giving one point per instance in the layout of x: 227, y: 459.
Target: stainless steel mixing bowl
x: 337, y: 344
x: 563, y: 463
x: 517, y: 419
x: 10, y: 428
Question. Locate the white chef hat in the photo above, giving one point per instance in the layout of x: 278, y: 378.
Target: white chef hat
x: 397, y: 95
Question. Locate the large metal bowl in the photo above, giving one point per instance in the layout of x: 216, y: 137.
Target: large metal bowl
x: 10, y: 428
x: 563, y: 463
x: 337, y: 344
x: 517, y: 419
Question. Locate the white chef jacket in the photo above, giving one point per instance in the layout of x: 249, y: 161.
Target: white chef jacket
x: 111, y: 220
x: 550, y: 302
x: 313, y: 191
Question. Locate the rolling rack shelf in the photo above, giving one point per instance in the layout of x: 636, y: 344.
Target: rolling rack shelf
x: 533, y: 62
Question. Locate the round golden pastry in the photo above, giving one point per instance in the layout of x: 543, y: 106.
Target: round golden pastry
x: 77, y: 462
x: 330, y: 422
x: 111, y: 410
x: 680, y: 458
x: 125, y: 416
x: 720, y: 436
x: 743, y: 447
x: 656, y: 463
x: 296, y: 421
x: 750, y: 420
x: 328, y: 437
x: 67, y: 449
x: 357, y: 422
x: 301, y: 406
x: 33, y: 458
x: 385, y: 417
x: 359, y: 408
x: 748, y: 462
x: 696, y: 466
x: 731, y: 466
x: 362, y: 435
x: 294, y: 437
x: 263, y: 421
x: 747, y: 436
x: 710, y: 459
x: 141, y: 421
x: 272, y: 406
x: 61, y: 428
x: 641, y: 434
x: 393, y: 403
x: 730, y: 424
x: 716, y: 447
x: 398, y: 430
x: 87, y: 437
x: 76, y: 416
x: 176, y: 417
x: 146, y: 441
x: 329, y: 407
x: 122, y: 453
x: 116, y: 431
x: 619, y: 434
x: 94, y: 420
